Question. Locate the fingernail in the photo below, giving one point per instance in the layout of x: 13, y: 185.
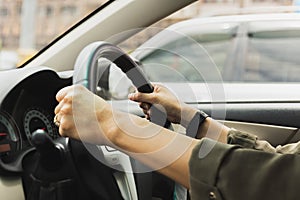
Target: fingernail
x: 130, y: 96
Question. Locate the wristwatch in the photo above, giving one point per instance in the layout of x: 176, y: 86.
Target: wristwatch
x: 195, y: 123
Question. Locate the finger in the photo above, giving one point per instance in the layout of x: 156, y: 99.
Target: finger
x: 62, y: 130
x: 66, y: 125
x: 62, y: 93
x: 145, y: 106
x: 58, y: 107
x: 158, y: 87
x: 57, y: 117
x: 56, y: 121
x: 142, y: 97
x: 144, y: 109
x: 145, y: 112
x: 147, y: 116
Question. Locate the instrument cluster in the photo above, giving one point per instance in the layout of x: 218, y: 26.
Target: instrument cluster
x: 38, y: 118
x: 27, y: 107
x: 10, y: 138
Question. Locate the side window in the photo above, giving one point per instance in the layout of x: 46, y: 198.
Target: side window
x: 163, y: 63
x: 273, y: 56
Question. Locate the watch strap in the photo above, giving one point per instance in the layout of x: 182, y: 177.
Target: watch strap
x: 195, y: 123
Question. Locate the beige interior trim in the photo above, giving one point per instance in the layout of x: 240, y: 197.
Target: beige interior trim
x: 11, y: 188
x: 274, y: 134
x: 296, y: 137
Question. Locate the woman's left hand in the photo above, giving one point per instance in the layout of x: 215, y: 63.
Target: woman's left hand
x: 82, y: 115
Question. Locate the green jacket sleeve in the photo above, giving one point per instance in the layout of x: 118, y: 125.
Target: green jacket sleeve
x: 229, y: 172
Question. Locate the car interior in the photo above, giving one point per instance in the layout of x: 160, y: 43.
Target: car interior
x: 37, y: 163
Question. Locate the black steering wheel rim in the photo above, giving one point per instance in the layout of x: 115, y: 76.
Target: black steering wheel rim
x: 87, y: 63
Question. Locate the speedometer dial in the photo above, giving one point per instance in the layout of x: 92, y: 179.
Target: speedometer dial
x: 9, y: 136
x: 38, y: 119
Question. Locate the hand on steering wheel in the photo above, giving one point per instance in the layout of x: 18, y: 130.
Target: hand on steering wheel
x: 88, y: 70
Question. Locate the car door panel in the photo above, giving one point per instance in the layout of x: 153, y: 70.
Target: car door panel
x: 275, y: 122
x: 285, y: 114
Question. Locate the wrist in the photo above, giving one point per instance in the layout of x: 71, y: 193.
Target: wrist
x: 107, y: 124
x: 187, y: 114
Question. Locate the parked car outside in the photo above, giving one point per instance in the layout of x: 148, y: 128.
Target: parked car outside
x: 238, y: 48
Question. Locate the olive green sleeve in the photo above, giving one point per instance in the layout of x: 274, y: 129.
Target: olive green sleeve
x: 222, y: 171
x: 204, y: 165
x: 242, y: 138
x: 248, y: 140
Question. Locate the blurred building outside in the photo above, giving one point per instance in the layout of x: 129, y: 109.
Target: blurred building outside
x: 26, y: 26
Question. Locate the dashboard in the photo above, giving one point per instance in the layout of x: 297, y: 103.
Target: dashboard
x: 27, y: 104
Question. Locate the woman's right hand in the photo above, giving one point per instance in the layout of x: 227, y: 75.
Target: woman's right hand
x: 165, y: 100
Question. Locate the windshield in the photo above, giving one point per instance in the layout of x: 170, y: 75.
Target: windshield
x: 26, y: 26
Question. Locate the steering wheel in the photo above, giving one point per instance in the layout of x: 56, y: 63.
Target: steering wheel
x: 88, y: 71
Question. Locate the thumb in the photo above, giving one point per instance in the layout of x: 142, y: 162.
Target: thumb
x: 142, y: 97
